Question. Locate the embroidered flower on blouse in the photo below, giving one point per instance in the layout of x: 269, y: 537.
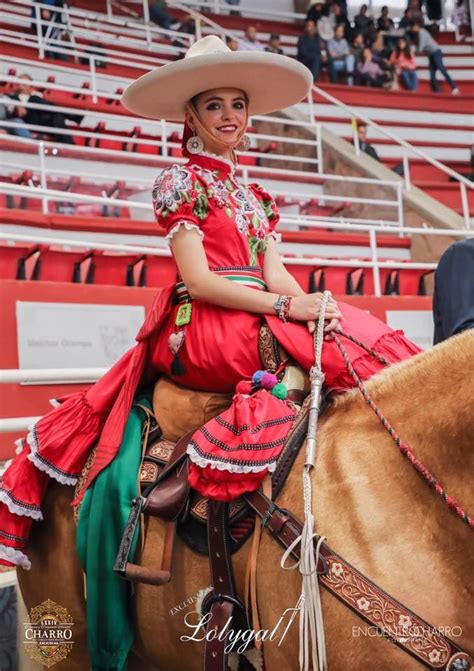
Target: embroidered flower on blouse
x: 220, y: 193
x: 171, y: 189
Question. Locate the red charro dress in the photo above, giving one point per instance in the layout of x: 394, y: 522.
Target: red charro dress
x: 218, y: 350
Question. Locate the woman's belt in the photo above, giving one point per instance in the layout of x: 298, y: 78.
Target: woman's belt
x: 248, y: 276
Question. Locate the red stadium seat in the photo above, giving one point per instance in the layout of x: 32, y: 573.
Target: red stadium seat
x: 411, y: 282
x: 338, y: 280
x: 58, y: 265
x: 18, y: 262
x: 159, y: 271
x: 121, y: 270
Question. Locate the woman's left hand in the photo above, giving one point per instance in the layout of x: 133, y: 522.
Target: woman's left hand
x: 330, y: 325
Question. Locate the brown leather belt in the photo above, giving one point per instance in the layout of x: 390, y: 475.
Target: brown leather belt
x: 336, y: 574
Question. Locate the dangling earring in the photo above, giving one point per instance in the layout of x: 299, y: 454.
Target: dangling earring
x: 244, y: 144
x: 194, y: 144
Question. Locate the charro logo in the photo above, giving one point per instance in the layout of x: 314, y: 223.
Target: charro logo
x: 48, y: 634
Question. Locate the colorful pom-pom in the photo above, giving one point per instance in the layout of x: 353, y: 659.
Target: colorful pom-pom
x: 268, y: 381
x: 244, y: 387
x: 280, y: 391
x: 257, y: 377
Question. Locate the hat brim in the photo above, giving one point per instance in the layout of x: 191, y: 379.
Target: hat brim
x: 271, y: 82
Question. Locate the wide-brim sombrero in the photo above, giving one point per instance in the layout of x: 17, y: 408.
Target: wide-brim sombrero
x: 271, y: 81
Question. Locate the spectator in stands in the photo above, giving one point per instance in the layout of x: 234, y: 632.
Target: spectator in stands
x: 357, y: 46
x: 317, y: 11
x: 364, y: 145
x: 462, y: 17
x: 384, y: 22
x: 340, y: 57
x: 250, y: 41
x: 309, y: 48
x: 453, y: 299
x: 370, y: 73
x: 427, y: 46
x: 159, y: 14
x: 362, y: 21
x: 337, y: 17
x: 188, y: 26
x: 403, y: 59
x: 273, y: 45
x: 408, y: 16
x: 367, y: 148
x: 51, y: 24
x: 19, y: 130
x: 38, y: 117
x: 381, y: 54
x: 232, y: 43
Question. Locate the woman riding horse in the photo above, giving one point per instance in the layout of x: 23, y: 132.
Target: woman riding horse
x: 202, y: 331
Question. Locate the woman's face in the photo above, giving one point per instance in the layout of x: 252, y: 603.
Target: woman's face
x: 223, y: 112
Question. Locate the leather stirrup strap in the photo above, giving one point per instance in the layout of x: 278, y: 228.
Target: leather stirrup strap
x: 222, y: 600
x: 251, y: 569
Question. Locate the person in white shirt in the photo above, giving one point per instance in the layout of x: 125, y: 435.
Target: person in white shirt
x: 250, y: 42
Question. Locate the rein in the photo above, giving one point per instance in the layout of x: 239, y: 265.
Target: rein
x: 404, y: 448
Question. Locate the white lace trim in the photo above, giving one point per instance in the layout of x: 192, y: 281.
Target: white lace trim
x: 14, y: 556
x: 45, y: 467
x: 54, y: 402
x: 227, y: 161
x: 189, y: 226
x: 18, y: 509
x: 275, y: 236
x: 223, y: 466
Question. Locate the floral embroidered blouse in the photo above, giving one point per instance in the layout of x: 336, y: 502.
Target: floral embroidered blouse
x: 206, y: 195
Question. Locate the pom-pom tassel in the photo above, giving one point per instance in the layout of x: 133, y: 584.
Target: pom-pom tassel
x: 177, y: 366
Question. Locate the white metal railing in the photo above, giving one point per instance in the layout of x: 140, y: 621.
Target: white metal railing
x: 45, y: 194
x: 407, y: 149
x: 375, y: 263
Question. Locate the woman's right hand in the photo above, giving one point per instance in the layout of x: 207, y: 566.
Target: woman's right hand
x: 307, y: 307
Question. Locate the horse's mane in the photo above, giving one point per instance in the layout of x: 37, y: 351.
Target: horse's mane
x: 457, y: 351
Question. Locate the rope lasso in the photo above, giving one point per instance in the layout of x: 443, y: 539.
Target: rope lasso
x: 404, y: 448
x: 311, y: 629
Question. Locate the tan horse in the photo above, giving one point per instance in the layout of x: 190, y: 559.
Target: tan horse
x: 369, y: 503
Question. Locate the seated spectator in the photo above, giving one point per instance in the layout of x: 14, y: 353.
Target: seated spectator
x: 273, y: 45
x: 39, y: 117
x: 404, y: 61
x: 357, y: 46
x: 364, y: 145
x: 337, y: 17
x: 340, y: 57
x: 158, y: 13
x: 362, y: 21
x: 384, y: 22
x: 250, y: 42
x: 317, y: 11
x: 370, y: 73
x: 19, y: 130
x: 427, y: 46
x: 381, y: 53
x: 188, y: 26
x: 232, y: 43
x: 408, y: 16
x: 309, y: 48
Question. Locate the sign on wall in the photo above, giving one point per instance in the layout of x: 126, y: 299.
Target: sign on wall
x: 417, y: 324
x: 75, y: 335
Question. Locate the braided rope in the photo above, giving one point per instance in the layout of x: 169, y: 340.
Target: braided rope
x: 405, y: 449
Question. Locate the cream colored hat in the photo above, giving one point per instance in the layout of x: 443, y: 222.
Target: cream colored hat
x: 271, y: 81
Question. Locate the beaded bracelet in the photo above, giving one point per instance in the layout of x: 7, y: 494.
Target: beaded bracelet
x: 282, y: 307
